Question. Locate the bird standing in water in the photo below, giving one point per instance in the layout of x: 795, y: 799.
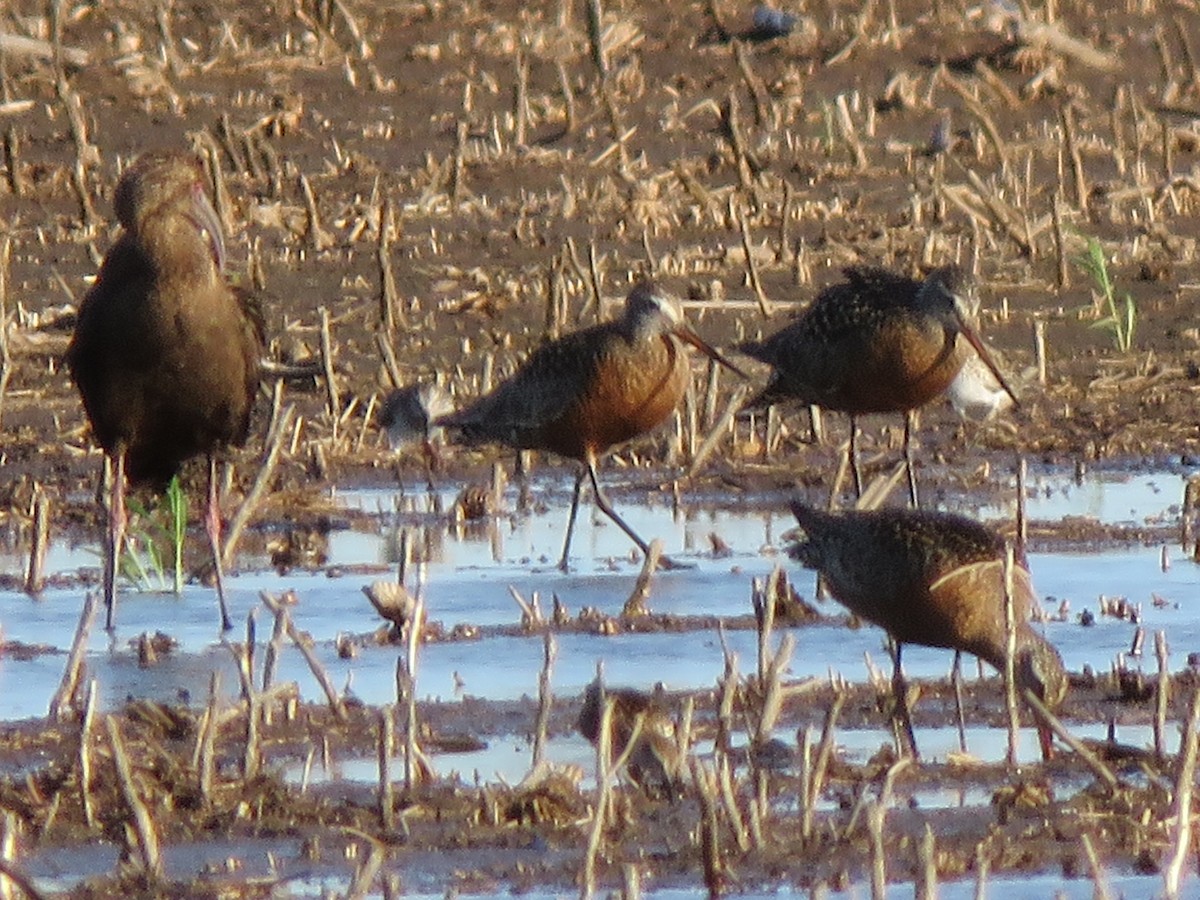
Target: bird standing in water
x: 934, y: 579
x: 655, y: 763
x: 876, y: 342
x: 165, y: 353
x: 586, y: 392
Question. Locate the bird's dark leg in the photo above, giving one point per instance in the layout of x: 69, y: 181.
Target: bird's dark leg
x: 900, y: 691
x: 910, y: 426
x: 212, y: 524
x: 116, y: 534
x: 956, y: 677
x: 562, y: 563
x: 854, y: 455
x: 664, y: 561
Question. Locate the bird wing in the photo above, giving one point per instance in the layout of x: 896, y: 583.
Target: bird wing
x: 553, y: 379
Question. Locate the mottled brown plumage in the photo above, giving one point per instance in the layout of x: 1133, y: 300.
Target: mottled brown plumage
x: 589, y: 391
x: 655, y: 762
x: 165, y: 354
x: 876, y: 342
x: 930, y: 578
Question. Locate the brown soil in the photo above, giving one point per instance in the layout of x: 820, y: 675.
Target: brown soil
x: 404, y: 113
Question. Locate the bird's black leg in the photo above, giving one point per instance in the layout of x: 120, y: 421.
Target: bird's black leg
x: 562, y: 563
x: 956, y: 677
x: 116, y: 533
x: 900, y: 690
x: 854, y: 455
x: 910, y: 426
x: 664, y: 561
x: 212, y: 523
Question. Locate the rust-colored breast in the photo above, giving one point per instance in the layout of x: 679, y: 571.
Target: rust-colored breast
x: 633, y: 389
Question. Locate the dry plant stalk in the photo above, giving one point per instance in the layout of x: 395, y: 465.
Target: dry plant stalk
x: 147, y: 848
x: 636, y: 604
x: 1100, y: 889
x: 1182, y: 807
x: 850, y: 134
x: 416, y: 767
x: 1090, y: 759
x: 605, y: 767
x: 595, y: 32
x: 545, y: 698
x: 820, y: 765
x: 64, y: 697
x: 279, y: 606
x: 531, y: 610
x: 387, y: 749
x: 318, y: 238
x: 927, y: 880
x: 458, y: 168
x: 1161, y: 695
x: 332, y: 397
x: 35, y: 578
x: 6, y: 362
x: 737, y: 142
x: 204, y: 756
x: 262, y: 480
x: 729, y: 802
x: 85, y: 752
x: 727, y: 686
x: 710, y: 848
x: 1010, y: 655
x: 1071, y: 146
x: 764, y: 305
x: 391, y: 312
x: 719, y: 429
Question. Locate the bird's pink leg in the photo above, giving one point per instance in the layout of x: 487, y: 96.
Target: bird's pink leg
x: 212, y: 522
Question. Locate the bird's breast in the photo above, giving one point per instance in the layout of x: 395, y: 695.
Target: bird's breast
x: 634, y: 389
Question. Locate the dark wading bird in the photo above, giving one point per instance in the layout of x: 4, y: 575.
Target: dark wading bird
x: 877, y: 342
x: 655, y: 762
x: 589, y: 391
x: 165, y: 353
x: 935, y: 579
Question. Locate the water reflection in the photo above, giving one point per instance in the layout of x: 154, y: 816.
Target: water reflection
x: 469, y: 570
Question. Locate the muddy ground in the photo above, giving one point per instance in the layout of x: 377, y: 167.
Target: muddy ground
x: 493, y: 152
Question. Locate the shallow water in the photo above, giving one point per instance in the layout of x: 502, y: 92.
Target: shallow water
x: 470, y: 572
x: 467, y: 579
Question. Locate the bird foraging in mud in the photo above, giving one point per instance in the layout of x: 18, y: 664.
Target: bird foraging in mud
x: 655, y: 761
x: 407, y: 417
x: 934, y: 579
x: 589, y: 391
x: 408, y: 414
x: 165, y: 353
x: 876, y: 342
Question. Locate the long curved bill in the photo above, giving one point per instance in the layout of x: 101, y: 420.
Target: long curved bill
x: 684, y: 332
x: 205, y: 217
x: 973, y: 339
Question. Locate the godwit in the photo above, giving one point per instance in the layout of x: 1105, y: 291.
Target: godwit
x: 165, y: 354
x: 876, y: 342
x: 930, y: 578
x: 586, y: 392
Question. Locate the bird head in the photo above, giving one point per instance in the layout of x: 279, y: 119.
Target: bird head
x: 651, y: 311
x: 948, y: 293
x: 159, y: 182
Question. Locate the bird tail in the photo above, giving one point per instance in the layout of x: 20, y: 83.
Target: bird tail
x: 812, y: 524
